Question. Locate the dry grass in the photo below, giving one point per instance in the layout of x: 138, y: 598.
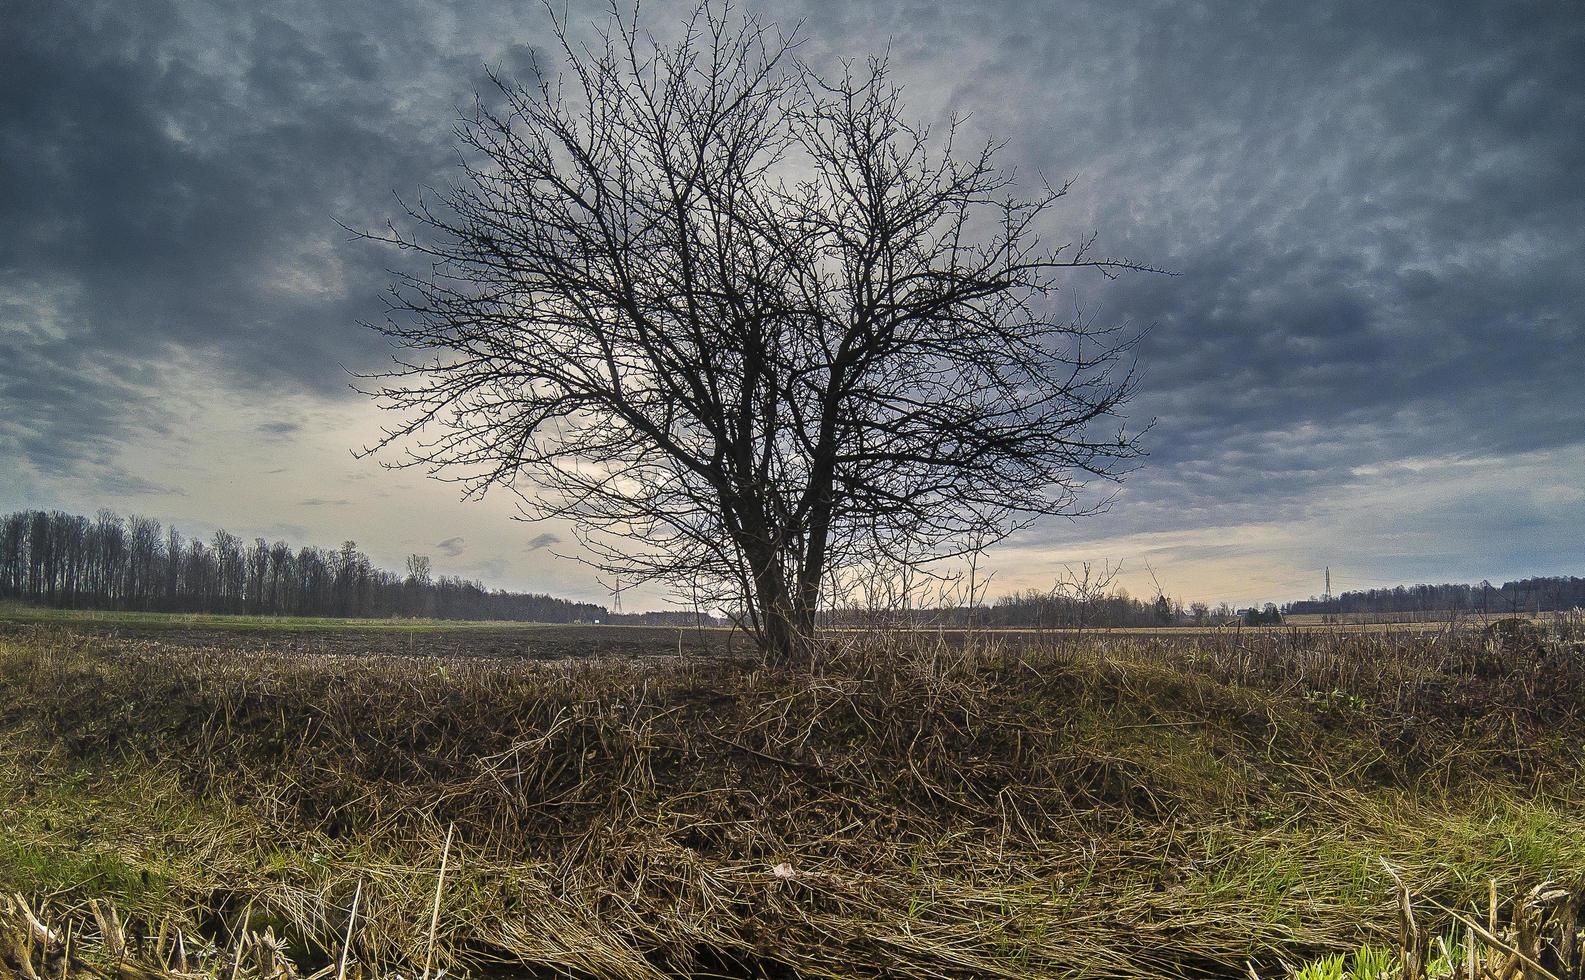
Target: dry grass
x: 1098, y: 806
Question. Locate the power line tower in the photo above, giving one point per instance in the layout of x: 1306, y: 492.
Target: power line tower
x: 1326, y: 597
x: 616, y: 598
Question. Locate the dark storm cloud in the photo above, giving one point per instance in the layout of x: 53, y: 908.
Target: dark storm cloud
x: 68, y: 420
x: 173, y: 177
x: 451, y: 547
x: 1375, y: 209
x: 544, y: 540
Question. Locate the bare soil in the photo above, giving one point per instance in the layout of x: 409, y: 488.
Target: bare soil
x: 532, y: 641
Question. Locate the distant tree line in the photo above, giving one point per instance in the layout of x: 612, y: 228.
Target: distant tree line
x: 1541, y: 594
x: 1037, y: 609
x: 1034, y: 608
x: 105, y: 562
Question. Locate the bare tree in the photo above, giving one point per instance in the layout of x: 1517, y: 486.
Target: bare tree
x: 743, y: 323
x: 418, y: 569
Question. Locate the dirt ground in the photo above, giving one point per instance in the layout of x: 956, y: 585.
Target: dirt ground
x: 526, y: 641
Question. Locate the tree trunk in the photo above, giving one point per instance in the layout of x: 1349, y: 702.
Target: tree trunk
x: 784, y: 634
x: 779, y: 637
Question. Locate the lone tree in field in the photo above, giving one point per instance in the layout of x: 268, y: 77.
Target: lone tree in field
x: 744, y: 324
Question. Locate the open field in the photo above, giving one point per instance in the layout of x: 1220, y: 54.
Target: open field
x: 540, y: 641
x: 1168, y: 632
x: 1111, y: 805
x: 429, y: 637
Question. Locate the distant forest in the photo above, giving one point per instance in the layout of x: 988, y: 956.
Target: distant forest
x: 105, y: 562
x: 1542, y: 594
x: 1036, y: 609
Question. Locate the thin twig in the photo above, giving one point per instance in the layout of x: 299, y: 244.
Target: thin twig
x: 434, y: 912
x: 346, y: 944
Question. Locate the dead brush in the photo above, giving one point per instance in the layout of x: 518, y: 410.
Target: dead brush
x: 914, y: 807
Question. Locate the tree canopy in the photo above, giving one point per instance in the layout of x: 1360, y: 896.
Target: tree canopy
x: 745, y: 323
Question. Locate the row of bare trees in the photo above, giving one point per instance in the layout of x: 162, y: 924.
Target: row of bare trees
x: 1034, y: 609
x: 1539, y: 594
x: 107, y: 562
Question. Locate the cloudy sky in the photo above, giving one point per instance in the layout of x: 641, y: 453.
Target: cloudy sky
x: 1373, y: 357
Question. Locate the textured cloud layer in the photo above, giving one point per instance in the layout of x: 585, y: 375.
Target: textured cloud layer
x: 1375, y: 209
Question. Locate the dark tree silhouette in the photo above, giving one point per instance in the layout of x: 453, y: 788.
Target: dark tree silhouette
x: 745, y: 325
x: 107, y: 563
